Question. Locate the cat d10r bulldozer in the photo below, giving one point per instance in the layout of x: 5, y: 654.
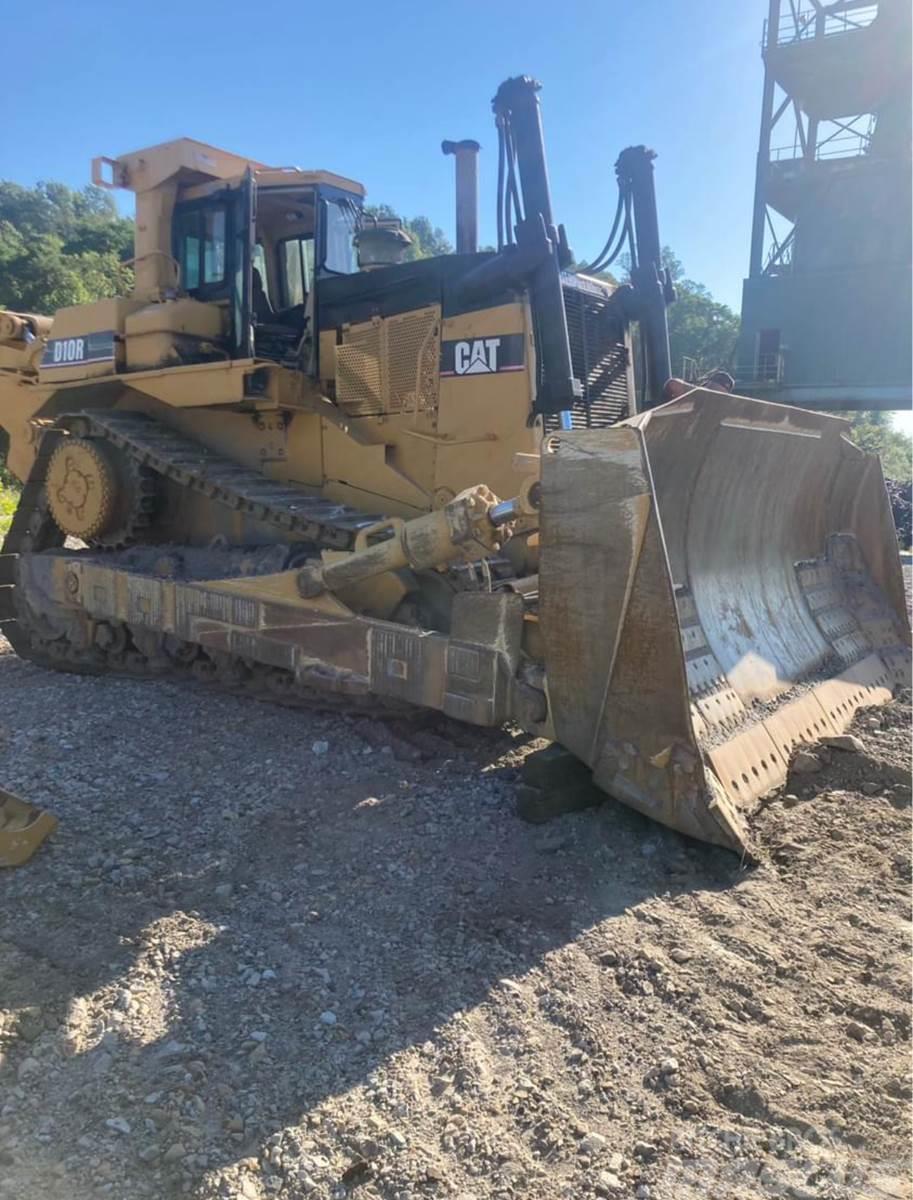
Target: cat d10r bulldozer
x: 383, y: 483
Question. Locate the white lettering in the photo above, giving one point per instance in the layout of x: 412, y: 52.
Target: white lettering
x: 67, y: 350
x: 478, y: 357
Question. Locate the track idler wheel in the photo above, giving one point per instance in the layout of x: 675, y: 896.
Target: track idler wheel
x: 82, y: 488
x: 97, y: 494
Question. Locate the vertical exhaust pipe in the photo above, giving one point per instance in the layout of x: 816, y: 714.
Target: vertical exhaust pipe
x: 466, y: 154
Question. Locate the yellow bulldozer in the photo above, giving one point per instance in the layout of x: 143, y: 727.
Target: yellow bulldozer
x: 301, y: 465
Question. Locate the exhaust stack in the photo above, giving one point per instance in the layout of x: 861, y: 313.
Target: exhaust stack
x: 466, y: 154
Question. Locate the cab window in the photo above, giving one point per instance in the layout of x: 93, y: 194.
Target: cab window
x: 214, y: 246
x: 340, y: 217
x: 189, y: 258
x: 200, y: 246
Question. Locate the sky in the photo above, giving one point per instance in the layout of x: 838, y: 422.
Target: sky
x: 369, y: 91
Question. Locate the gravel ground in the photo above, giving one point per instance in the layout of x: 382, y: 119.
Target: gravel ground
x: 276, y: 953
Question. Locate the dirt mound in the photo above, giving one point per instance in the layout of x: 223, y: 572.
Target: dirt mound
x: 277, y: 954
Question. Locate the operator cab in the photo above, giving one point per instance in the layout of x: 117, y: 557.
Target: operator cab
x: 257, y: 247
x: 301, y: 234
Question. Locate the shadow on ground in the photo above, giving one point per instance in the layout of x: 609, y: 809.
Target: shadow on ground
x: 215, y: 878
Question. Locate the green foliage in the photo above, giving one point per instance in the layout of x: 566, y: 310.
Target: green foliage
x: 874, y: 432
x: 428, y: 240
x: 9, y: 498
x: 700, y: 327
x: 60, y: 247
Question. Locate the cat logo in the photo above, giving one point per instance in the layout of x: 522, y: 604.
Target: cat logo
x: 476, y: 358
x: 483, y: 356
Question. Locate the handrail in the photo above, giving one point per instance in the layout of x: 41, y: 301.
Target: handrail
x: 846, y: 140
x: 808, y: 24
x: 780, y: 256
x: 767, y: 368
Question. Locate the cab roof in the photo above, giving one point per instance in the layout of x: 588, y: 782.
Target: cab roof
x: 192, y: 162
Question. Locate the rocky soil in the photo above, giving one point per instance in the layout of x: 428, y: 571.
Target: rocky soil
x: 281, y: 954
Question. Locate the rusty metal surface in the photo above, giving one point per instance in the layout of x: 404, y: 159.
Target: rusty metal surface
x: 231, y: 626
x: 719, y: 583
x: 616, y: 675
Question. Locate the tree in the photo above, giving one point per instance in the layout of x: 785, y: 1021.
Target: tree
x: 874, y: 432
x: 60, y: 246
x: 428, y: 240
x: 700, y: 328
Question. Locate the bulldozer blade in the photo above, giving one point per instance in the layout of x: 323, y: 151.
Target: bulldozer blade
x: 719, y: 583
x: 23, y: 828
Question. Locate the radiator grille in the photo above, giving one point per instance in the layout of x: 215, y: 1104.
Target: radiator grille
x: 599, y: 358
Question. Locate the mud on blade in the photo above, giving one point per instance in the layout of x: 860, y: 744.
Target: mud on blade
x: 719, y: 582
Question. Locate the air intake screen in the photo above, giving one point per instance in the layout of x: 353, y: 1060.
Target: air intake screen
x: 391, y: 365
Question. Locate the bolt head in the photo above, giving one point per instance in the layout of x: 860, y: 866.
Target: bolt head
x: 310, y: 583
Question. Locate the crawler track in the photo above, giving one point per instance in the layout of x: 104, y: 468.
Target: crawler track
x: 154, y: 445
x: 36, y: 635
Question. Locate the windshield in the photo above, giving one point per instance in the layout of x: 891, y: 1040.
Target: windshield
x: 340, y: 224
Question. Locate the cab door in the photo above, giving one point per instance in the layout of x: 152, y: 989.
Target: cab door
x: 213, y: 237
x: 244, y: 221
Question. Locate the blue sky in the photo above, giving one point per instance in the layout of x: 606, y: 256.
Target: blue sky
x: 369, y: 90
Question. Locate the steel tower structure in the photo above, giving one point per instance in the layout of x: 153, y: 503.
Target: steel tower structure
x: 826, y: 307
